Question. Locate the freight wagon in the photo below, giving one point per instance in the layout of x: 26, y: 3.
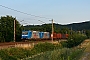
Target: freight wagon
x: 60, y: 36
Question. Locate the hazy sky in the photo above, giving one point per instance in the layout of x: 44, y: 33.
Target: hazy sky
x: 62, y: 11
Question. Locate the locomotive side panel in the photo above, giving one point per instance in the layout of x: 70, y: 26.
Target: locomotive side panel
x: 29, y: 34
x: 35, y: 34
x: 41, y: 34
x: 26, y: 34
x: 46, y: 35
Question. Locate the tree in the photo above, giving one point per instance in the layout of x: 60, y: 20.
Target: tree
x: 7, y: 29
x: 88, y: 33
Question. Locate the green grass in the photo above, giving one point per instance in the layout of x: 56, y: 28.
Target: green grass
x: 50, y: 52
x: 60, y: 54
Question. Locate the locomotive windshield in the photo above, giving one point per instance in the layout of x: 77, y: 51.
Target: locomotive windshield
x: 25, y: 33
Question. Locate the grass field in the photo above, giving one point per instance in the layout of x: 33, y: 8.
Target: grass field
x: 86, y: 54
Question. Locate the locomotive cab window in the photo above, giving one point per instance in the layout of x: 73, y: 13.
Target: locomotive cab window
x: 24, y: 33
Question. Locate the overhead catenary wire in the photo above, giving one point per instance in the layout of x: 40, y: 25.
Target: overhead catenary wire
x: 41, y: 21
x: 23, y: 12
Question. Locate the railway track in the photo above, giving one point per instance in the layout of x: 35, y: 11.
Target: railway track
x: 10, y: 44
x: 16, y: 44
x: 13, y: 44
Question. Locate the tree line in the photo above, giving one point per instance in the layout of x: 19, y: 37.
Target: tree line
x: 7, y: 29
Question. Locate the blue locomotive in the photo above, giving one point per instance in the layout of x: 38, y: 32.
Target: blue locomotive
x: 35, y: 35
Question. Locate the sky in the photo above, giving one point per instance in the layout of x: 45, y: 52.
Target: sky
x: 61, y: 11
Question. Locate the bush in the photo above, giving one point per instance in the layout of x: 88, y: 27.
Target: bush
x: 74, y: 40
x: 5, y: 56
x: 14, y: 53
x: 42, y: 47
